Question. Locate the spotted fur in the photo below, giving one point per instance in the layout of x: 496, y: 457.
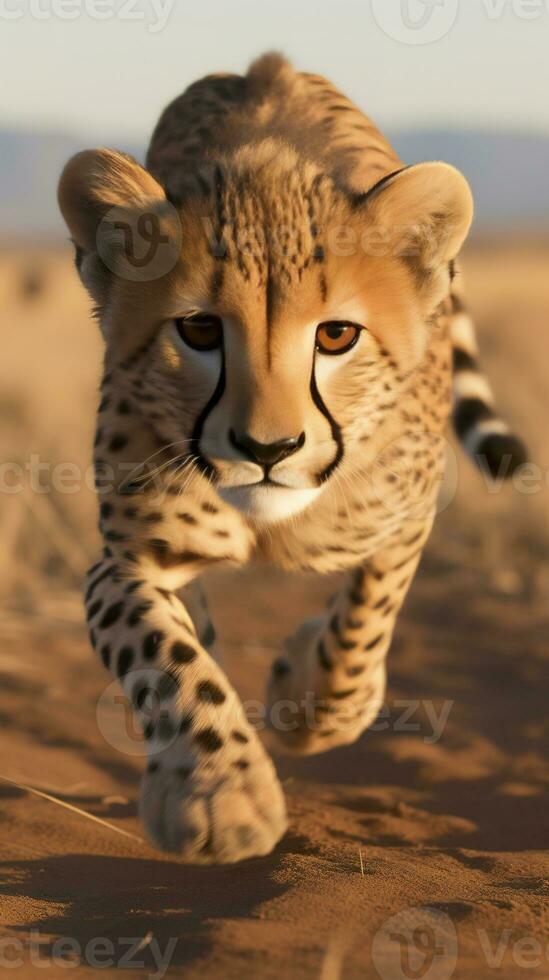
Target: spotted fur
x: 281, y: 207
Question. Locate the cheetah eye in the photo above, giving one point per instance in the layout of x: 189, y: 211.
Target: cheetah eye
x: 201, y: 331
x: 336, y: 336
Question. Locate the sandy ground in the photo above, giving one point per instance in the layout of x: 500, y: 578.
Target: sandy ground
x: 437, y: 816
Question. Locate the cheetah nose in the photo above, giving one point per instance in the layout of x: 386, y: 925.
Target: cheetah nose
x: 266, y: 453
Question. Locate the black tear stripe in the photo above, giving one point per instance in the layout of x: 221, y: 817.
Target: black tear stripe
x: 204, y: 465
x: 335, y: 429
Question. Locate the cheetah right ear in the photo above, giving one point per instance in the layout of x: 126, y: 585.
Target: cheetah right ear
x: 93, y: 183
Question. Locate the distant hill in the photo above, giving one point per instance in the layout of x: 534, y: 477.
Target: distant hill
x: 509, y: 174
x: 30, y: 165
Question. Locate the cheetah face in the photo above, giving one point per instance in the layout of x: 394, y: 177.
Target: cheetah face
x: 278, y: 341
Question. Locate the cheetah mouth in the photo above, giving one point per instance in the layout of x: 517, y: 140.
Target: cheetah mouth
x: 267, y: 500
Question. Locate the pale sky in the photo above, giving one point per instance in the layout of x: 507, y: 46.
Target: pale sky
x: 110, y: 77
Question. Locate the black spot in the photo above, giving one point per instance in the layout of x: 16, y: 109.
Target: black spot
x: 241, y: 764
x: 115, y: 536
x: 183, y: 772
x: 354, y: 624
x: 124, y: 407
x: 185, y: 724
x: 355, y: 671
x: 134, y: 586
x: 347, y: 644
x: 100, y: 578
x: 140, y: 694
x: 281, y: 667
x: 341, y: 695
x: 92, y: 638
x: 151, y: 644
x: 106, y: 510
x: 240, y: 737
x: 130, y: 512
x: 208, y: 637
x: 165, y: 593
x: 112, y: 615
x: 94, y: 608
x: 210, y: 692
x: 374, y: 643
x: 381, y: 602
x: 125, y: 660
x: 187, y: 518
x: 182, y: 653
x: 323, y: 658
x: 167, y: 686
x: 105, y: 653
x: 153, y: 518
x: 208, y: 740
x: 210, y: 509
x: 153, y: 766
x: 137, y: 614
x: 117, y: 443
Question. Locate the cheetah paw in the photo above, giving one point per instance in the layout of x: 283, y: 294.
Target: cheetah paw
x: 214, y: 818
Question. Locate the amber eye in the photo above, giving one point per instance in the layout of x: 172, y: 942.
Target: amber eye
x: 336, y: 336
x: 201, y: 331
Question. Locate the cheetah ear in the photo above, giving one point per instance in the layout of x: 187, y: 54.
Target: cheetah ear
x: 93, y: 183
x: 424, y: 213
x: 120, y: 221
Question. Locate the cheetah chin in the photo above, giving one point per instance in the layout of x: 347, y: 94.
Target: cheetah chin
x: 269, y: 504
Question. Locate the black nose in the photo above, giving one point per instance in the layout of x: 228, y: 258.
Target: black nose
x: 266, y: 453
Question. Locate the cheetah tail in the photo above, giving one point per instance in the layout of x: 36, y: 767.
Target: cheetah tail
x: 485, y: 436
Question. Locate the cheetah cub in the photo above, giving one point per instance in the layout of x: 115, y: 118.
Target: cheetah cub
x: 282, y: 339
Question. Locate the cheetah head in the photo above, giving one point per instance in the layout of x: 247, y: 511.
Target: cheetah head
x: 273, y: 317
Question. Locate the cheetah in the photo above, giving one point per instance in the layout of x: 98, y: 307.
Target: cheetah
x: 284, y: 342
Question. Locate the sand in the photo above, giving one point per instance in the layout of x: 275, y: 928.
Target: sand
x: 437, y: 817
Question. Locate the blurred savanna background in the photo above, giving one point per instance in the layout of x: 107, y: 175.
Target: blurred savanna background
x: 457, y: 824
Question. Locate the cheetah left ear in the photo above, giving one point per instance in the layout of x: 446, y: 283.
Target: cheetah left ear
x: 120, y: 220
x: 96, y: 182
x: 422, y: 214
